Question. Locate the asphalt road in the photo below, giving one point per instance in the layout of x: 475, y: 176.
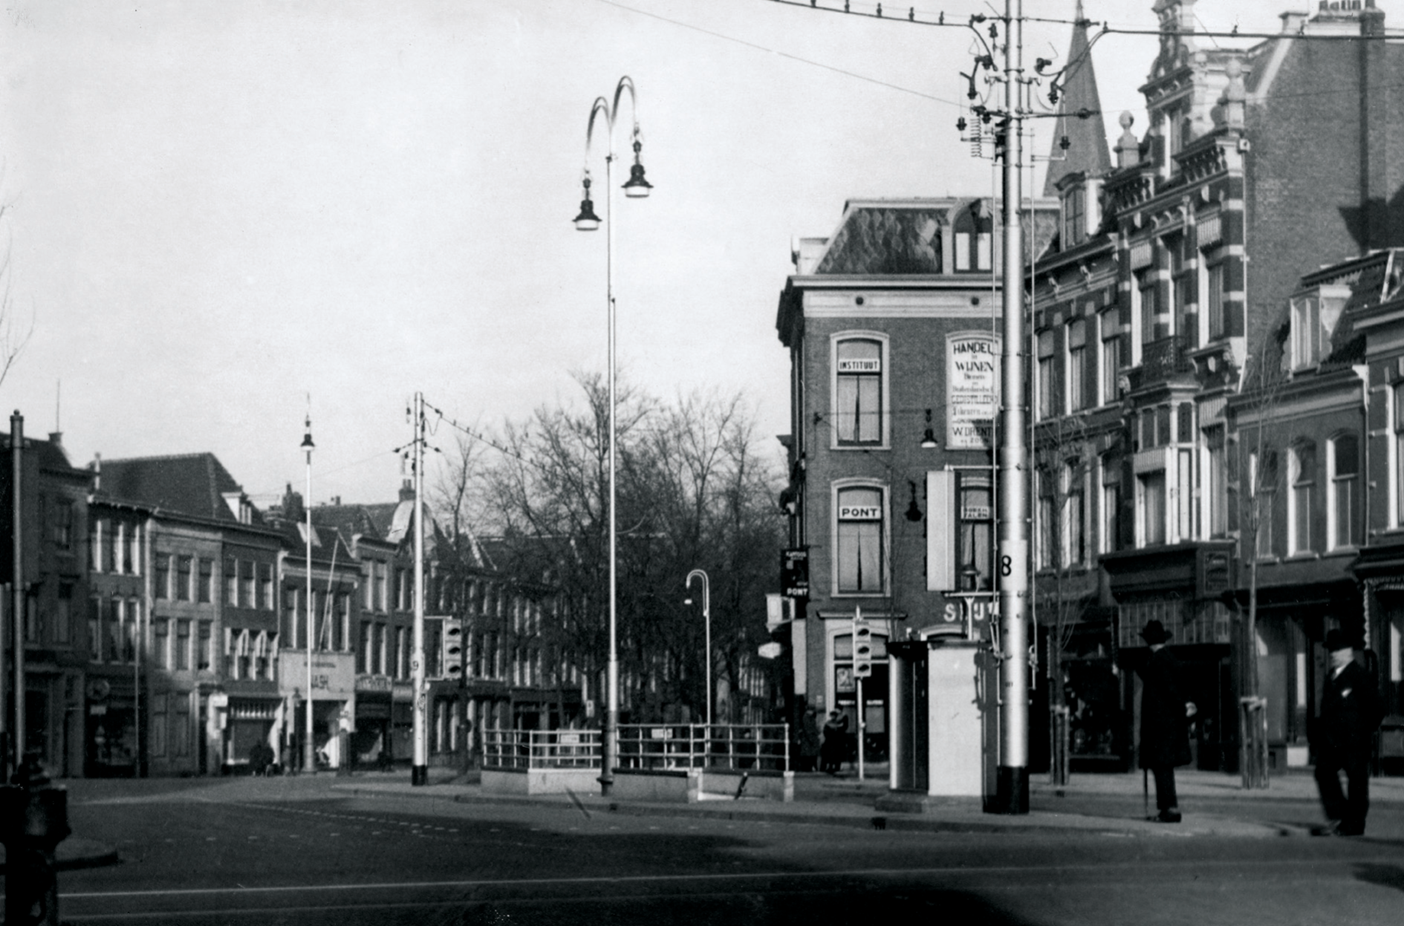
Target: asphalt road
x: 288, y: 851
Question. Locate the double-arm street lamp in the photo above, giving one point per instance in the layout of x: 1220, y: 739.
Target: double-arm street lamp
x: 637, y: 187
x: 707, y: 620
x: 309, y: 745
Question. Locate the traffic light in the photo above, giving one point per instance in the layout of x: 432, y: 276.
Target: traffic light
x: 453, y: 647
x: 862, y: 649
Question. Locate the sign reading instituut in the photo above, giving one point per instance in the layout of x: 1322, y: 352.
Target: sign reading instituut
x: 972, y: 389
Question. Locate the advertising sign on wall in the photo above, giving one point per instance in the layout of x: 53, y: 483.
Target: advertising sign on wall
x: 972, y: 389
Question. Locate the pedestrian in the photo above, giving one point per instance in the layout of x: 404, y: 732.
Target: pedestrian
x: 1350, y: 711
x: 1164, y: 721
x: 835, y: 743
x: 809, y: 742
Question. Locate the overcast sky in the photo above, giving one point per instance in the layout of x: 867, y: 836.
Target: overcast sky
x: 218, y: 209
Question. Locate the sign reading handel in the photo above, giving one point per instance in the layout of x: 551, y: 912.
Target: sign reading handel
x: 972, y: 389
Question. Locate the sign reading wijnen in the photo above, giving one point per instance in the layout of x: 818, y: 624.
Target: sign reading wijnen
x: 972, y: 389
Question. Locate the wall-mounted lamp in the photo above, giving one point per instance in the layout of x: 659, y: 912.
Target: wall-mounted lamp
x: 913, y: 512
x: 928, y: 440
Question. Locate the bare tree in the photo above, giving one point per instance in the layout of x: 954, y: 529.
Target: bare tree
x: 14, y: 333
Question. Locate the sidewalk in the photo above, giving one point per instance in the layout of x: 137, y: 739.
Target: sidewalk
x: 1109, y: 804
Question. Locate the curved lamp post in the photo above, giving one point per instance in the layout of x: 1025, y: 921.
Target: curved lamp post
x: 707, y: 619
x: 636, y: 187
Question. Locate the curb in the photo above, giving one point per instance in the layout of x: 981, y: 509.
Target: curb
x: 86, y: 853
x: 877, y: 820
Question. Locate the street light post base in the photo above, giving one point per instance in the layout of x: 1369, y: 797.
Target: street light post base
x: 1011, y: 790
x: 419, y: 775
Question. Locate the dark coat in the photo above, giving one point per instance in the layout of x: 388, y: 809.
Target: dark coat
x: 1350, y: 712
x: 1164, y: 726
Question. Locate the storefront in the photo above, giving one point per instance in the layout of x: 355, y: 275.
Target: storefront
x: 111, y: 739
x: 333, y: 705
x: 372, y: 742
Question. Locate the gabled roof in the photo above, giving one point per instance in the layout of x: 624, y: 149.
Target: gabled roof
x: 192, y: 484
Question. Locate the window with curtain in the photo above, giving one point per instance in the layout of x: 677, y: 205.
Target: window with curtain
x: 1077, y: 364
x: 1111, y: 356
x: 1045, y: 375
x: 860, y: 532
x: 1153, y: 508
x: 976, y: 531
x: 858, y: 392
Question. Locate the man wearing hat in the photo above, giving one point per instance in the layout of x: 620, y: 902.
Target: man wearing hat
x: 1350, y: 712
x: 1164, y: 721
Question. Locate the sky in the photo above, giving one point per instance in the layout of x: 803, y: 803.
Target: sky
x: 223, y: 217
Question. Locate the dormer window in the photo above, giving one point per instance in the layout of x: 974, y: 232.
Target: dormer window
x: 1074, y: 216
x: 974, y: 238
x: 1314, y: 317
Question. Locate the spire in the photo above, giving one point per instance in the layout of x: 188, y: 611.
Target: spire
x: 1087, y: 138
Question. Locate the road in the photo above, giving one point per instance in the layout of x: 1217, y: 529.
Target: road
x: 275, y: 851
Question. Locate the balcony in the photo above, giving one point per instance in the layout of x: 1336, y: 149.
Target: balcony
x: 1161, y: 360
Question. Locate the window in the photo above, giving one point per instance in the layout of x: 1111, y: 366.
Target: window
x: 1184, y: 494
x: 1182, y: 291
x: 1074, y: 531
x: 1152, y: 325
x: 1045, y: 530
x: 63, y: 615
x: 382, y: 650
x: 1345, y: 470
x: 1110, y: 539
x: 1111, y: 356
x: 183, y: 578
x: 401, y: 656
x: 342, y: 631
x: 161, y: 643
x: 1314, y: 317
x: 860, y: 557
x: 126, y: 538
x: 109, y: 551
x: 95, y: 543
x: 363, y: 653
x: 95, y: 629
x: 114, y: 645
x: 246, y: 584
x: 1077, y: 364
x: 182, y: 646
x: 401, y: 590
x: 206, y: 580
x: 265, y: 586
x: 1046, y: 351
x: 180, y: 725
x: 976, y: 532
x: 1074, y: 216
x: 61, y: 524
x: 290, y: 630
x: 380, y: 599
x: 204, y: 649
x: 858, y: 394
x: 133, y: 554
x: 1152, y: 492
x: 1262, y: 482
x: 231, y: 582
x: 1214, y: 296
x: 1301, y: 464
x: 162, y: 579
x: 260, y: 656
x: 1216, y: 482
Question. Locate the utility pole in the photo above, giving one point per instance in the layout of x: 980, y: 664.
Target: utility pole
x: 419, y: 773
x: 17, y: 586
x: 1012, y: 776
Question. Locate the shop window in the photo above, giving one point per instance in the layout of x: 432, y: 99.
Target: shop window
x: 860, y: 560
x: 1301, y: 463
x: 1344, y: 460
x: 858, y: 391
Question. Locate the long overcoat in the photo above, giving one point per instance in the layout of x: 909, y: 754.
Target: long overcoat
x: 1350, y: 712
x: 1164, y: 725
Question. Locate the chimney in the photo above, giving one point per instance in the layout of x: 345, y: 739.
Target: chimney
x: 96, y: 467
x: 407, y: 490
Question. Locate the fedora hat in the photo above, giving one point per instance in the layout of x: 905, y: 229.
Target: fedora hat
x: 1154, y: 632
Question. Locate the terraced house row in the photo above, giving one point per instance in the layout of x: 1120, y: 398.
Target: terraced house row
x: 166, y: 625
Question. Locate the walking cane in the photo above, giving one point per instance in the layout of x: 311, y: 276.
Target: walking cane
x: 1145, y: 793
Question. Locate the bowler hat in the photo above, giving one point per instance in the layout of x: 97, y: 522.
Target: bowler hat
x: 1154, y: 632
x: 1337, y: 640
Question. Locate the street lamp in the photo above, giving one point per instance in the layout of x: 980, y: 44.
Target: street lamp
x: 636, y: 187
x: 309, y: 747
x: 707, y: 619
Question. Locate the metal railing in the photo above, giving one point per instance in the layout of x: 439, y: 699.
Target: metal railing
x: 534, y: 749
x: 740, y: 747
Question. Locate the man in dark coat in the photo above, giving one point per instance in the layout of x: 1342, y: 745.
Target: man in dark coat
x: 1164, y: 721
x: 1350, y: 712
x: 831, y: 754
